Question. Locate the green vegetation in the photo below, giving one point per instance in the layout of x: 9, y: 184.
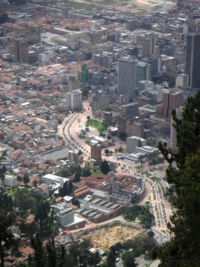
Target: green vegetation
x: 27, y: 202
x: 183, y: 173
x: 140, y: 212
x: 6, y: 219
x: 128, y: 259
x: 130, y: 250
x: 100, y: 126
x: 78, y: 254
x: 104, y: 167
x: 67, y: 188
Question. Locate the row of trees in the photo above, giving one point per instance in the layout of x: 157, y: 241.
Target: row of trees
x: 50, y: 255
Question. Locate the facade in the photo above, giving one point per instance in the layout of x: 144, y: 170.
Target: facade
x: 193, y: 59
x: 182, y: 81
x: 130, y: 110
x: 133, y: 142
x: 74, y: 100
x: 171, y: 100
x: 65, y: 216
x: 10, y: 180
x: 127, y: 77
x: 96, y: 152
x: 142, y: 71
x: 19, y: 50
x: 135, y: 129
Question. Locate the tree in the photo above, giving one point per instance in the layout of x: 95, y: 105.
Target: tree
x: 142, y: 212
x: 26, y: 178
x: 183, y: 173
x: 6, y: 220
x: 110, y: 260
x: 67, y: 188
x: 39, y: 256
x: 51, y: 253
x: 86, y: 172
x: 35, y: 182
x: 128, y: 259
x: 104, y: 167
x: 77, y: 178
x: 42, y: 210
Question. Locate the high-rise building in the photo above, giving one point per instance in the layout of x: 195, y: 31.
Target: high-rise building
x: 142, y: 71
x: 182, y: 81
x: 172, y: 99
x: 74, y: 99
x: 127, y: 77
x: 130, y: 110
x: 148, y: 44
x: 96, y: 152
x: 193, y: 59
x: 23, y: 51
x: 19, y: 50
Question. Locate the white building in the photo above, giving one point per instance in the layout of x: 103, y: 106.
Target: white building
x: 10, y: 180
x: 54, y: 179
x: 74, y: 100
x: 65, y: 216
x: 182, y: 81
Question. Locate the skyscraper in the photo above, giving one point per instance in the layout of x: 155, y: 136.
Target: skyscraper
x: 19, y: 50
x: 193, y: 59
x: 142, y: 71
x: 127, y: 77
x: 171, y: 100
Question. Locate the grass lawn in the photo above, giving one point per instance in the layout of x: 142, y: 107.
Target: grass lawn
x: 100, y: 126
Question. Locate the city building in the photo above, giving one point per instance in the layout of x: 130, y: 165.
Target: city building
x: 142, y: 72
x: 130, y: 110
x: 193, y: 59
x: 182, y: 81
x: 74, y: 100
x: 127, y: 77
x: 10, y: 180
x: 65, y: 216
x: 172, y: 99
x: 133, y: 142
x: 96, y: 150
x: 19, y: 50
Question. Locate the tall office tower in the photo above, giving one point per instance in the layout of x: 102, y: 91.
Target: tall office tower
x: 193, y: 59
x: 154, y: 64
x: 127, y: 77
x: 147, y: 42
x: 74, y: 100
x: 14, y: 51
x: 23, y: 51
x: 142, y: 72
x: 96, y: 151
x: 19, y: 50
x: 171, y: 100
